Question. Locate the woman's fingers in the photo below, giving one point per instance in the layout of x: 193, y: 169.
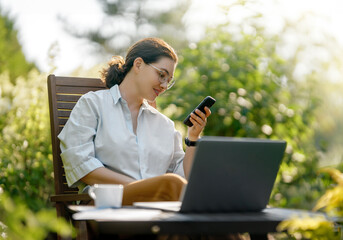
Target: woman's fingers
x: 199, y: 121
x: 199, y: 118
x: 208, y: 111
x: 201, y: 115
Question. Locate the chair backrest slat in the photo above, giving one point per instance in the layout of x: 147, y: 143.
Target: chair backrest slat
x: 68, y: 97
x: 75, y: 89
x: 65, y: 105
x: 62, y: 121
x: 63, y: 94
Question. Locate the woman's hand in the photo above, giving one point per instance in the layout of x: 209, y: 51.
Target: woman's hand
x: 199, y: 121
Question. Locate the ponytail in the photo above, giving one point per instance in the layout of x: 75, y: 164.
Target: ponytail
x: 115, y: 72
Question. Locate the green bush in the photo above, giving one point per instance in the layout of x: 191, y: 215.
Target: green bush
x: 18, y: 222
x: 26, y: 180
x: 321, y: 226
x: 25, y: 153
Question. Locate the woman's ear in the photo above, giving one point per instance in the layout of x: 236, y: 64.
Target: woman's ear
x: 137, y: 64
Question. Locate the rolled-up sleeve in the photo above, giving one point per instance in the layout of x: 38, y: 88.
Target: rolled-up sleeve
x: 176, y: 165
x: 77, y: 141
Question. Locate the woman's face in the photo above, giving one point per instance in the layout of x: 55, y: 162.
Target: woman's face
x: 154, y: 77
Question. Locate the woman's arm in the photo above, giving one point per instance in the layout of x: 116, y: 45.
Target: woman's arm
x: 199, y: 123
x: 188, y: 160
x: 104, y: 175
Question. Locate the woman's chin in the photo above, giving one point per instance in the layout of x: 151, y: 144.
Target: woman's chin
x: 151, y: 98
x: 152, y: 103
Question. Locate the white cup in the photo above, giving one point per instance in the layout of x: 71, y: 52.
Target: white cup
x: 106, y: 195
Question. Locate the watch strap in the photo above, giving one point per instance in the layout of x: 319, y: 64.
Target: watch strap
x: 190, y: 143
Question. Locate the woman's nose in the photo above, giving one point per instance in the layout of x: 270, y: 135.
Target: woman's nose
x: 164, y: 85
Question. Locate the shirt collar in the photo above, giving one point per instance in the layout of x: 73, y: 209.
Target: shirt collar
x: 115, y: 92
x: 147, y: 106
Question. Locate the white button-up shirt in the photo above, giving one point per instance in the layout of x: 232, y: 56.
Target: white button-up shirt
x: 99, y: 133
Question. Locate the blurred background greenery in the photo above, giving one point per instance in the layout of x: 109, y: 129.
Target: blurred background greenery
x: 261, y: 92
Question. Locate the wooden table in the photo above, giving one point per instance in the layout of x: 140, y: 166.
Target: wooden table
x: 107, y: 222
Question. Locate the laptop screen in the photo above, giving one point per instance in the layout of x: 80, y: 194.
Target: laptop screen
x: 232, y: 174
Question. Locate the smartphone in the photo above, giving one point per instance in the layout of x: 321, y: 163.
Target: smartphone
x: 207, y: 102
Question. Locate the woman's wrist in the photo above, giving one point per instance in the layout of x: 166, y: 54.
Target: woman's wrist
x: 190, y: 143
x: 193, y: 139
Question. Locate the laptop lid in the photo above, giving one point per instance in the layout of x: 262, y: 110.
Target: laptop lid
x: 232, y: 174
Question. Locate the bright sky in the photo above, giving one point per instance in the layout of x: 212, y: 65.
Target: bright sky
x: 39, y: 27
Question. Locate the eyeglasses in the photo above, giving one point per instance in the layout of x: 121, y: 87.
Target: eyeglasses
x: 163, y: 77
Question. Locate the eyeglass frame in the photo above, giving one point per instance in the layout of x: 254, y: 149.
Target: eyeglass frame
x: 170, y: 82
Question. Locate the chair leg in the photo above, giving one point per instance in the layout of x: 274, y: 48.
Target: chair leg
x: 82, y: 230
x: 61, y: 212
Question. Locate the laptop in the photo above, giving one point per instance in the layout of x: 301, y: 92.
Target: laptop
x: 228, y: 175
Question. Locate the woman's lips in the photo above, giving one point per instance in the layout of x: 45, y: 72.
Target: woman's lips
x: 157, y: 92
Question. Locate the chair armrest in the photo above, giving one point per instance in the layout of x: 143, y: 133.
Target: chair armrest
x: 70, y: 197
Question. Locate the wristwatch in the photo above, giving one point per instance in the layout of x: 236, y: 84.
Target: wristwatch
x: 190, y: 143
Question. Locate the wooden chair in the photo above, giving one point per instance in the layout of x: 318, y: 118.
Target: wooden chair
x: 63, y: 93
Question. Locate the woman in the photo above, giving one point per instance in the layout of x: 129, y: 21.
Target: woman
x: 114, y: 136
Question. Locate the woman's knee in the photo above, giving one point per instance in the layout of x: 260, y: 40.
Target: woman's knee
x: 171, y: 185
x: 175, y: 177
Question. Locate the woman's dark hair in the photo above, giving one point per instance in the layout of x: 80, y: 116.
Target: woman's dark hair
x: 149, y: 49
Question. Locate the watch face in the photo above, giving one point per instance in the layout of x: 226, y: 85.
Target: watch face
x: 187, y: 142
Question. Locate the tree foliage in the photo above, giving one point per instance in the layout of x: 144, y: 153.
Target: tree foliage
x: 12, y: 59
x: 26, y: 179
x: 256, y: 97
x: 128, y: 21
